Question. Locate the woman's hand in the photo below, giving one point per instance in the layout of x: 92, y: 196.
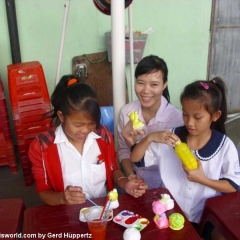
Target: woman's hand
x: 74, y: 195
x: 136, y: 187
x: 132, y: 176
x: 130, y: 135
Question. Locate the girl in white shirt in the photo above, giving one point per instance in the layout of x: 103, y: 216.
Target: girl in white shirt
x: 204, y: 113
x: 76, y: 159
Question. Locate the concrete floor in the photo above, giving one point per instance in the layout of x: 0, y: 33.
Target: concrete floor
x: 12, y: 185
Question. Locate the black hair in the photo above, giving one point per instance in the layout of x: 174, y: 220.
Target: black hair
x: 212, y: 95
x: 73, y: 97
x: 151, y: 64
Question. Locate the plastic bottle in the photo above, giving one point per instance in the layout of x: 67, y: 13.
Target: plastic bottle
x: 186, y: 156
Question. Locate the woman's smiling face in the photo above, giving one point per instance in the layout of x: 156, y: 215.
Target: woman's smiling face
x: 149, y: 88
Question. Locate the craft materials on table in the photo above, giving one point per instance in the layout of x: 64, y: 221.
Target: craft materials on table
x: 131, y: 234
x: 175, y: 220
x: 111, y: 197
x: 131, y: 220
x: 84, y: 211
x: 91, y: 201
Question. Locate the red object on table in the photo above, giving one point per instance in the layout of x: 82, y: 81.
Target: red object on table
x: 64, y: 219
x: 224, y: 213
x: 11, y: 216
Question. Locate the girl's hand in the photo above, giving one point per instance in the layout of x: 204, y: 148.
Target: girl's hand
x: 130, y: 135
x: 136, y: 187
x: 164, y: 136
x: 196, y: 175
x: 74, y: 195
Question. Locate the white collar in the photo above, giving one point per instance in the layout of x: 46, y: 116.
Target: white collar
x: 61, y: 137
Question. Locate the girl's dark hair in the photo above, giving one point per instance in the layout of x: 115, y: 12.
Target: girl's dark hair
x: 152, y: 64
x: 69, y: 98
x: 212, y: 95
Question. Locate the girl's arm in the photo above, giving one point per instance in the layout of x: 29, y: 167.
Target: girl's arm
x: 71, y: 195
x: 164, y: 136
x: 198, y: 176
x: 219, y: 185
x: 52, y: 198
x: 140, y: 149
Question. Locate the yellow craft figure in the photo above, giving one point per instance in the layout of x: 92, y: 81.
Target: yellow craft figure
x: 113, y: 196
x: 136, y: 123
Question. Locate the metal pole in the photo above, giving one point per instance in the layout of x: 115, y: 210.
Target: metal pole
x: 13, y: 31
x: 62, y: 41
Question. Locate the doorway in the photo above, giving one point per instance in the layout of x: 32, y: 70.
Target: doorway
x: 224, y: 49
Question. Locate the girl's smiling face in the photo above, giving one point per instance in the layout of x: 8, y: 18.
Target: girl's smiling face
x: 196, y: 118
x: 77, y: 126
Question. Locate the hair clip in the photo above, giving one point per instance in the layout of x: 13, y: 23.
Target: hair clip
x: 213, y: 81
x: 72, y: 81
x: 204, y: 85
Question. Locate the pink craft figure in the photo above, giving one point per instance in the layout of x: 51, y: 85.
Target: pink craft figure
x: 159, y: 207
x: 161, y: 221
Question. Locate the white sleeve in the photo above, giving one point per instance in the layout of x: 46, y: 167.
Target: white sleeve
x: 238, y: 149
x: 123, y: 149
x: 230, y: 167
x: 151, y: 157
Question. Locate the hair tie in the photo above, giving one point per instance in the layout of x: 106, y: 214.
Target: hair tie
x: 72, y: 81
x: 204, y: 85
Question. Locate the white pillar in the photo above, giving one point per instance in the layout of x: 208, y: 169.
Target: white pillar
x: 132, y: 78
x: 118, y: 59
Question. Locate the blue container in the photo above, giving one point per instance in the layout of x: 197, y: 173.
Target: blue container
x: 108, y: 117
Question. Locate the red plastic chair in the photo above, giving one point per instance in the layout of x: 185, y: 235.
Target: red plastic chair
x: 224, y: 213
x: 11, y: 217
x: 29, y: 98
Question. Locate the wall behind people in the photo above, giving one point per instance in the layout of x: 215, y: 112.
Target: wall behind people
x: 181, y: 35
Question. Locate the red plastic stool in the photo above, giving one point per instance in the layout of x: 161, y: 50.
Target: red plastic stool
x: 30, y: 102
x: 11, y: 217
x: 224, y: 213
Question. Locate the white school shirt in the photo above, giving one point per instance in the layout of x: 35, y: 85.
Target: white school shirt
x: 82, y: 170
x: 167, y: 117
x: 219, y: 159
x: 238, y: 149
